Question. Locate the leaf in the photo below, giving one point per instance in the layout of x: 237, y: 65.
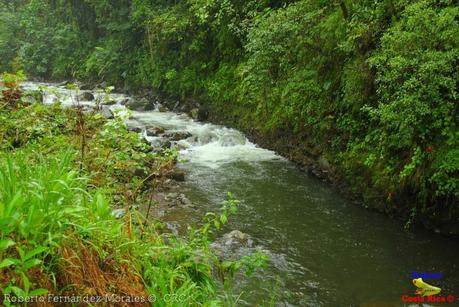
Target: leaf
x: 35, y: 251
x: 7, y: 262
x: 31, y: 263
x: 18, y: 291
x: 38, y: 292
x: 26, y: 282
x: 5, y: 244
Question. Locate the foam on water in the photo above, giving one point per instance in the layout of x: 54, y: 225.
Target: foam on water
x: 209, y: 145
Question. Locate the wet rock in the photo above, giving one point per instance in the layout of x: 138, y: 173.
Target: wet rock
x: 86, y: 96
x: 85, y: 87
x: 232, y: 139
x: 176, y: 175
x: 154, y: 131
x: 102, y: 85
x: 135, y: 129
x: 163, y: 109
x: 149, y: 107
x: 231, y: 240
x: 107, y: 113
x: 109, y: 102
x: 176, y: 105
x: 119, y: 213
x: 199, y: 114
x: 168, y: 103
x: 160, y: 144
x: 126, y: 101
x: 194, y: 113
x: 184, y: 200
x: 237, y: 237
x: 171, y: 198
x: 178, y: 135
x: 324, y: 164
x: 138, y: 105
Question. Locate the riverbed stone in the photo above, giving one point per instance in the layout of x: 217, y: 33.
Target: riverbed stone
x: 85, y: 87
x: 177, y: 135
x: 126, y: 101
x: 237, y: 237
x: 176, y: 175
x: 107, y: 113
x: 86, y: 96
x: 138, y: 104
x: 154, y: 131
x: 324, y: 164
x: 163, y: 108
x: 184, y: 200
x: 135, y: 129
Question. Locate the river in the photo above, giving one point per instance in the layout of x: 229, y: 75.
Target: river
x: 324, y: 250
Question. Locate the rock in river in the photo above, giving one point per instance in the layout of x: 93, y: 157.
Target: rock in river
x: 86, y: 96
x: 177, y: 175
x: 154, y: 131
x: 177, y: 136
x: 107, y: 113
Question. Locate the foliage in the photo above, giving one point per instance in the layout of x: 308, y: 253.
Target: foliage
x: 57, y: 231
x: 372, y: 84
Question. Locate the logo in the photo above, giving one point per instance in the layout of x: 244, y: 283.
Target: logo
x: 424, y: 289
x: 425, y: 292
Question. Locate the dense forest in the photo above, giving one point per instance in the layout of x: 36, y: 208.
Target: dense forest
x: 369, y: 86
x: 366, y: 90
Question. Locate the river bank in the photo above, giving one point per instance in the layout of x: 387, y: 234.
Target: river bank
x: 321, y: 247
x: 318, y: 161
x: 310, y: 157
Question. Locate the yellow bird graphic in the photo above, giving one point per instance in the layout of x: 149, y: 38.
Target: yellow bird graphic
x: 424, y: 289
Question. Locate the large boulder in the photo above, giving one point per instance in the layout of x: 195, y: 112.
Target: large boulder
x: 199, y: 114
x: 138, y: 104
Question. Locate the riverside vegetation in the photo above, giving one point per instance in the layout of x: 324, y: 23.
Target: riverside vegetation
x: 367, y: 88
x: 61, y: 171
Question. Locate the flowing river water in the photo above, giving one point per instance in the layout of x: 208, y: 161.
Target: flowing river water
x: 324, y: 251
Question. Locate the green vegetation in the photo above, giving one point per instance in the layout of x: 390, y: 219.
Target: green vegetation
x: 59, y: 175
x: 370, y: 86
